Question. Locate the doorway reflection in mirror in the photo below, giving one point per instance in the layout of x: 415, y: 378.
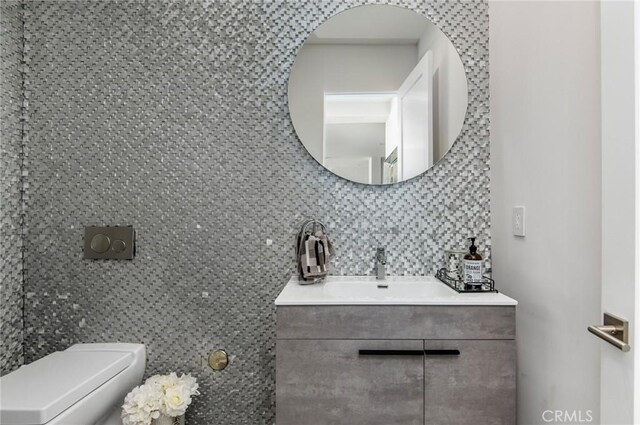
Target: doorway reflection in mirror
x: 378, y: 94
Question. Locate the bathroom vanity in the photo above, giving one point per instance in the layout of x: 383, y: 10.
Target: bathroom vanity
x: 416, y: 352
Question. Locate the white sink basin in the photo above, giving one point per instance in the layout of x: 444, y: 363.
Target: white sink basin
x: 364, y: 290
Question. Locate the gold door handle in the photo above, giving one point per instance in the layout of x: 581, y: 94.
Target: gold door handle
x: 615, y: 331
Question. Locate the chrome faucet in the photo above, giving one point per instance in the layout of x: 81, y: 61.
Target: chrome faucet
x: 381, y: 262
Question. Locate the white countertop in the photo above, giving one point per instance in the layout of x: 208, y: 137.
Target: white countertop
x: 402, y: 290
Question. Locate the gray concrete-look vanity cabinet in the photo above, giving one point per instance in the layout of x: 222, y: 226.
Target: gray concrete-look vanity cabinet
x: 447, y: 359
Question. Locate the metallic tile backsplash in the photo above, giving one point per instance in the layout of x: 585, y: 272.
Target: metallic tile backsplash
x: 171, y: 116
x: 11, y: 103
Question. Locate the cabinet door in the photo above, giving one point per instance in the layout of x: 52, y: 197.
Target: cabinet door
x: 476, y: 387
x: 331, y: 382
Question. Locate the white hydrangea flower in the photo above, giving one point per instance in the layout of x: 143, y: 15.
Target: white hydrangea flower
x: 169, y: 395
x: 142, y: 405
x: 176, y: 400
x: 164, y: 381
x: 190, y: 383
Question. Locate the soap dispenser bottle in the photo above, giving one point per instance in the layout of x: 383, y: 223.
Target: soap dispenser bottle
x: 473, y: 267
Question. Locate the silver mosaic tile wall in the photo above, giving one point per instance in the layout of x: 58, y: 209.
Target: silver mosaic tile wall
x: 171, y: 116
x: 11, y: 324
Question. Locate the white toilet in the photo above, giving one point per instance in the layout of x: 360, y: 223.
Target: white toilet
x: 83, y: 385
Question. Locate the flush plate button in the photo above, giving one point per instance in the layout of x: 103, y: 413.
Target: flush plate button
x: 100, y: 243
x: 118, y: 245
x: 109, y: 243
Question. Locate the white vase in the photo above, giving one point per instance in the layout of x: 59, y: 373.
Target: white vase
x: 168, y: 420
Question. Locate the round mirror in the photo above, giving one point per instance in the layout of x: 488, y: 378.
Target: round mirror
x: 377, y: 94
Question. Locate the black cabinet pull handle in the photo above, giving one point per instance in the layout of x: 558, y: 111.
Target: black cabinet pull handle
x: 442, y: 352
x: 391, y: 352
x: 409, y: 352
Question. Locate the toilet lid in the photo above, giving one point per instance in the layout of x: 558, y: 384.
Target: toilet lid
x: 40, y: 391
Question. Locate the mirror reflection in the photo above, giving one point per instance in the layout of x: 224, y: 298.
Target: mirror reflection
x: 377, y: 94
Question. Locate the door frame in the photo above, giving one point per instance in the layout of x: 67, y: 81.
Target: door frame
x: 636, y: 328
x: 620, y: 371
x: 423, y: 71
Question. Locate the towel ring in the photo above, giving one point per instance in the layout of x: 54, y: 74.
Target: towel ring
x: 315, y: 223
x: 309, y: 227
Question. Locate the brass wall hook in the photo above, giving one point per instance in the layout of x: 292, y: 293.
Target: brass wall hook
x: 218, y: 360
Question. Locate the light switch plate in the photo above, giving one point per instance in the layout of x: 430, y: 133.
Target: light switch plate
x: 518, y: 221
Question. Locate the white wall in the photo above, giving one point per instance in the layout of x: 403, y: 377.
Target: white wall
x: 545, y: 155
x: 349, y: 146
x: 321, y: 68
x: 357, y: 169
x: 355, y: 139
